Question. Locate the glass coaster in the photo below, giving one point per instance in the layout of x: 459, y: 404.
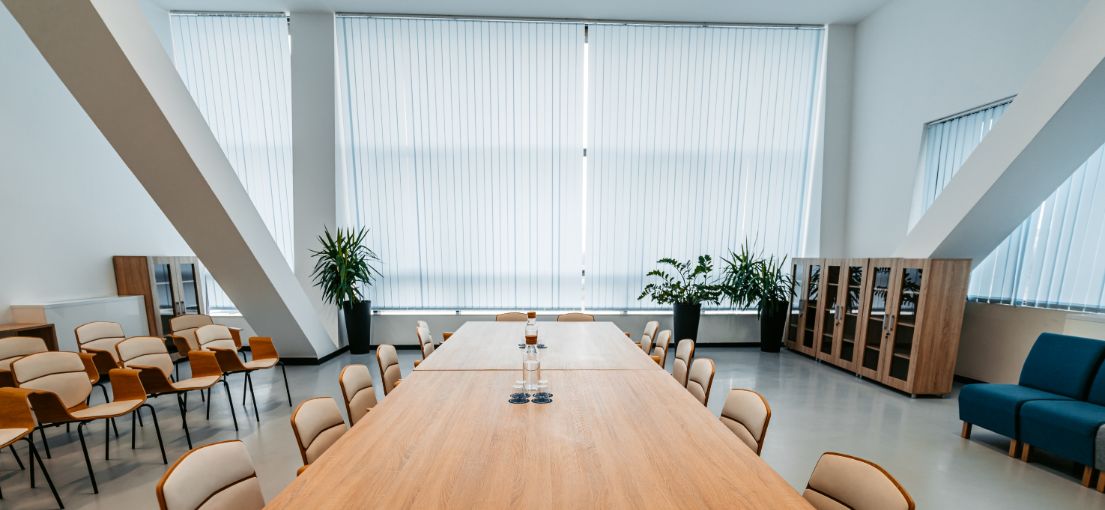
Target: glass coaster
x: 542, y: 401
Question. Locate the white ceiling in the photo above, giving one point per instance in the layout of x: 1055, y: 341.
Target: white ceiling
x: 716, y: 11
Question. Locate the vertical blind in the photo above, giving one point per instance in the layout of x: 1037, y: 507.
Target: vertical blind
x: 1054, y: 258
x: 237, y: 68
x: 945, y: 147
x: 698, y: 138
x: 462, y: 144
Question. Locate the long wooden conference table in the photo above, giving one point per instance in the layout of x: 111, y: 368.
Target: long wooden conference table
x: 620, y: 433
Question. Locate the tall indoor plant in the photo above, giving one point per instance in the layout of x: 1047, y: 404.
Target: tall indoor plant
x: 343, y: 267
x: 750, y: 279
x: 685, y: 290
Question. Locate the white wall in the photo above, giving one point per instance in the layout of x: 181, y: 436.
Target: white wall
x: 67, y: 201
x: 917, y: 61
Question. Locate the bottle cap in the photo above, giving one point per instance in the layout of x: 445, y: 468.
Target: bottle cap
x: 531, y: 315
x: 531, y: 339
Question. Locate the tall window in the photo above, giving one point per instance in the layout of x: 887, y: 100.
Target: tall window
x: 944, y: 148
x: 464, y: 140
x: 237, y: 68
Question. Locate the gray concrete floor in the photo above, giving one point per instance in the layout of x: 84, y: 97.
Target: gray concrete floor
x: 815, y: 408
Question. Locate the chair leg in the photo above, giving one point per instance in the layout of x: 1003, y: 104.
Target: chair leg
x: 201, y: 395
x: 45, y: 444
x: 16, y: 455
x: 107, y: 439
x: 115, y: 427
x: 176, y: 371
x: 87, y: 460
x: 133, y: 430
x: 286, y: 388
x: 966, y: 433
x: 1025, y: 452
x: 140, y: 422
x: 45, y: 474
x: 229, y: 401
x: 1101, y: 482
x: 1087, y: 475
x: 249, y: 384
x: 1013, y: 444
x: 103, y: 389
x: 184, y: 419
x: 157, y: 428
x: 208, y: 400
x: 245, y: 388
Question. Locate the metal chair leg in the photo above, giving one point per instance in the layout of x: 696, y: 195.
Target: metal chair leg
x: 115, y: 427
x: 245, y: 387
x: 249, y: 384
x: 45, y: 474
x: 16, y: 455
x: 45, y: 444
x: 184, y: 419
x: 133, y: 430
x: 230, y: 402
x: 87, y: 460
x: 103, y: 389
x: 107, y: 439
x: 157, y: 428
x: 286, y: 388
x: 208, y: 399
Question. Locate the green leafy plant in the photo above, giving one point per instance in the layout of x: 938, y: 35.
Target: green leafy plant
x: 343, y: 265
x: 751, y: 279
x: 691, y: 282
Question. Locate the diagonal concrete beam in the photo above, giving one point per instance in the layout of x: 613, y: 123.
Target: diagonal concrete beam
x: 1055, y: 123
x: 111, y: 61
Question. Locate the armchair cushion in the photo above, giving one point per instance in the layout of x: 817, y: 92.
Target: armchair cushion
x: 1065, y: 428
x: 1062, y: 364
x: 996, y: 406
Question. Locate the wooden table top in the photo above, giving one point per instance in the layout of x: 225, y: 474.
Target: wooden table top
x: 610, y: 439
x: 570, y: 346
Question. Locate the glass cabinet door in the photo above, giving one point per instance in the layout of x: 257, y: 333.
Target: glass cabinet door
x: 165, y: 293
x: 850, y: 307
x: 190, y: 290
x: 828, y: 309
x: 875, y: 328
x: 902, y: 322
x: 813, y: 297
x: 794, y: 320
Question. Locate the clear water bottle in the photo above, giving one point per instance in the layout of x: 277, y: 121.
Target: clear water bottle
x: 531, y: 324
x: 531, y: 365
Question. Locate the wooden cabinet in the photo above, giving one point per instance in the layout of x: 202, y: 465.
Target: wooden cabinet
x: 895, y: 321
x: 171, y: 286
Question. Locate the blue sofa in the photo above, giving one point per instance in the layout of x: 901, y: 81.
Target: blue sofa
x: 1059, y: 369
x: 1067, y: 428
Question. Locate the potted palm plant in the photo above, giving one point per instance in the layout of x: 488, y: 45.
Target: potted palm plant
x: 343, y: 267
x: 685, y: 291
x: 750, y: 279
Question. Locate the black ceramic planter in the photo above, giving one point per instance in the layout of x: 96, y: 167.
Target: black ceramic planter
x: 773, y: 318
x: 358, y: 326
x: 686, y: 320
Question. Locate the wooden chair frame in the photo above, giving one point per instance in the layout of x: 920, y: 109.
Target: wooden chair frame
x: 767, y: 419
x: 15, y: 413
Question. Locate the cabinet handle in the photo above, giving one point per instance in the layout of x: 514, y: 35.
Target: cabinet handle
x: 890, y: 326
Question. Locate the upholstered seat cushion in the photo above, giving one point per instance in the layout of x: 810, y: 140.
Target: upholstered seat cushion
x: 109, y: 410
x: 103, y: 344
x: 8, y: 436
x: 258, y: 364
x: 1065, y: 428
x: 196, y: 383
x: 995, y: 406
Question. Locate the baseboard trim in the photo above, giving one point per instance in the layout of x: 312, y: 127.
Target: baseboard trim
x: 966, y: 380
x: 727, y: 344
x: 315, y: 361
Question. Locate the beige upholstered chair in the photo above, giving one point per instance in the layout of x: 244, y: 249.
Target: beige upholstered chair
x: 512, y: 317
x: 388, y: 360
x: 425, y: 343
x: 60, y: 385
x: 842, y: 481
x: 148, y: 355
x: 652, y: 328
x: 425, y: 325
x: 646, y: 344
x: 18, y: 422
x: 575, y: 317
x: 13, y: 348
x: 700, y: 378
x: 212, y: 477
x: 218, y: 339
x: 660, y: 348
x: 99, y: 339
x: 357, y: 391
x: 747, y: 414
x: 184, y: 332
x: 317, y: 425
x: 684, y: 353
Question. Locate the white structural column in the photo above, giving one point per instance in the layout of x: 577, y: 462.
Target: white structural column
x: 313, y: 145
x: 110, y: 60
x: 1057, y: 121
x: 829, y: 208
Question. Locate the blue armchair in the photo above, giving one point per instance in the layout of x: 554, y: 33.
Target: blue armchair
x: 1058, y: 368
x: 1067, y: 428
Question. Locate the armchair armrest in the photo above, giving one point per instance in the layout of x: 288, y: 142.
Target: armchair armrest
x: 15, y: 410
x: 204, y: 364
x: 154, y: 381
x: 126, y: 384
x: 48, y: 407
x: 90, y: 367
x: 262, y: 348
x: 181, y: 345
